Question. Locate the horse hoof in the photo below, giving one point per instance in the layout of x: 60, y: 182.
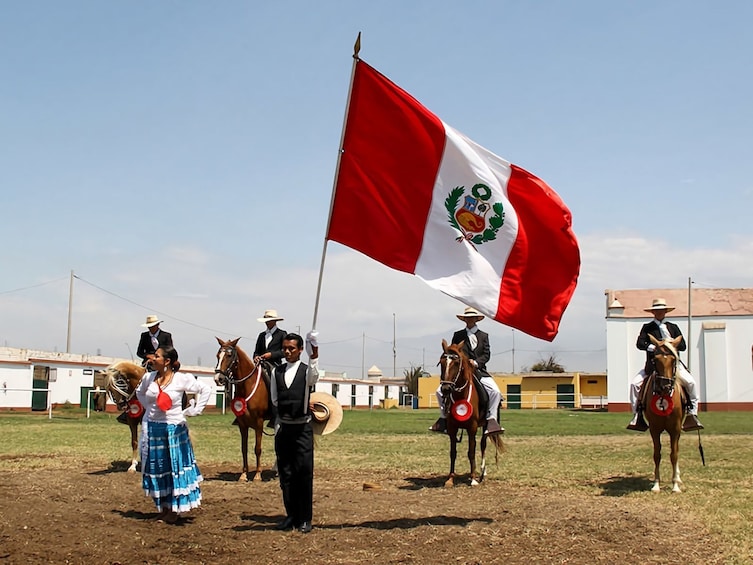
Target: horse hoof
x: 131, y: 470
x: 243, y: 478
x: 655, y: 488
x: 474, y: 483
x: 676, y: 489
x: 449, y: 483
x: 257, y: 477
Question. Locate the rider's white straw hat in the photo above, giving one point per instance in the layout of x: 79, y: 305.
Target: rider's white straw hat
x: 470, y: 313
x: 151, y: 321
x: 269, y: 316
x: 658, y: 304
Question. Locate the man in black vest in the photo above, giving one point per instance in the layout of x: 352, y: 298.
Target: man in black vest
x: 476, y: 346
x: 269, y: 343
x: 291, y: 386
x: 661, y: 329
x: 269, y: 348
x: 151, y: 340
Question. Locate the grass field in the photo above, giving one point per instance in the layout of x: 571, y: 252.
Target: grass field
x: 577, y: 452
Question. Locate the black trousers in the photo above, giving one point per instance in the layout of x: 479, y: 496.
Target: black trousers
x: 294, y: 445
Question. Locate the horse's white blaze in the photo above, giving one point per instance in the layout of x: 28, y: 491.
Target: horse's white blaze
x: 219, y: 360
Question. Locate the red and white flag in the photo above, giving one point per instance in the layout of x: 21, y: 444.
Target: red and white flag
x: 418, y: 196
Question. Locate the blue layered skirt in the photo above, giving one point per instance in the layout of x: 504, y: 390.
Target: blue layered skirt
x: 169, y: 471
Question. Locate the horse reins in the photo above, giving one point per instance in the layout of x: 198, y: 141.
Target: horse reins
x: 120, y: 384
x: 671, y: 380
x: 234, y: 364
x: 453, y: 383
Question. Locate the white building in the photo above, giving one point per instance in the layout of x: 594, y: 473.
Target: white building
x: 718, y: 328
x: 35, y: 380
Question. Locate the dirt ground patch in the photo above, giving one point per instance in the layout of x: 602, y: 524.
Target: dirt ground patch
x: 101, y: 516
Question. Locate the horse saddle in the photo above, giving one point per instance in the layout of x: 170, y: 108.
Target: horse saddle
x: 483, y: 397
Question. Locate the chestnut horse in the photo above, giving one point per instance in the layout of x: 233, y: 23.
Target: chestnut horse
x: 251, y: 404
x: 461, y: 405
x: 663, y: 399
x: 121, y: 380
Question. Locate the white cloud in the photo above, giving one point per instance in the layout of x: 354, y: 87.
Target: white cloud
x: 200, y: 296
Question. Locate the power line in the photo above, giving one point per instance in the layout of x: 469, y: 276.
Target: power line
x: 166, y: 315
x: 32, y: 286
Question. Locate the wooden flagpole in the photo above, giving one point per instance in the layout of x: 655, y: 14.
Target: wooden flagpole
x: 356, y: 50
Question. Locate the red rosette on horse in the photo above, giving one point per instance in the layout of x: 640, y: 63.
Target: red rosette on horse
x: 662, y: 404
x: 135, y: 409
x: 238, y: 406
x: 462, y: 410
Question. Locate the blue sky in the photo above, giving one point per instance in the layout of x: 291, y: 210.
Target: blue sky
x: 179, y: 158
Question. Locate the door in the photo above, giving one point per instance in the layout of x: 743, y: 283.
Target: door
x: 40, y: 380
x: 566, y: 396
x: 513, y: 397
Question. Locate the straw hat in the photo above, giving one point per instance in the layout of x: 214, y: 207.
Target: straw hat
x: 470, y: 313
x: 151, y: 321
x: 269, y: 316
x: 327, y: 413
x: 658, y: 304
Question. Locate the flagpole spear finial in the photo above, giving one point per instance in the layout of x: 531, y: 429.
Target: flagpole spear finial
x: 357, y: 46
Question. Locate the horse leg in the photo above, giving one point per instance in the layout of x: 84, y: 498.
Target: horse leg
x: 244, y: 450
x: 257, y: 449
x: 472, y: 456
x: 656, y: 436
x: 673, y: 457
x: 134, y: 447
x: 450, y: 482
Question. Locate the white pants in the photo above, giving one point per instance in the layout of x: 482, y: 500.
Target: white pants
x: 495, y: 397
x: 682, y: 373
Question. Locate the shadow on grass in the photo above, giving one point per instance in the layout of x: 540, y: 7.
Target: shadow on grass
x: 621, y: 486
x: 418, y: 483
x: 261, y: 523
x: 151, y: 517
x: 266, y: 476
x: 115, y: 467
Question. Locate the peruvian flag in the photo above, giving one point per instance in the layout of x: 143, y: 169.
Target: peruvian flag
x: 418, y: 196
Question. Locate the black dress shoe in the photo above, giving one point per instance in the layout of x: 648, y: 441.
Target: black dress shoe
x: 305, y: 527
x: 439, y: 426
x: 286, y: 524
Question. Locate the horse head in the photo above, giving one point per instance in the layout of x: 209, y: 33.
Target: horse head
x: 665, y: 363
x: 227, y: 361
x: 453, y: 363
x: 121, y: 380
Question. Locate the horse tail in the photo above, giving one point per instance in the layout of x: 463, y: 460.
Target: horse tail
x: 499, y: 446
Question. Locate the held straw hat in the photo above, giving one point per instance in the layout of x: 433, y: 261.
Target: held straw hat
x: 327, y: 413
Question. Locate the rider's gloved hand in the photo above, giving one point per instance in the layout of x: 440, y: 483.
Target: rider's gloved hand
x: 651, y: 348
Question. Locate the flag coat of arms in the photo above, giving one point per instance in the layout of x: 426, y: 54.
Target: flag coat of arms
x: 418, y: 196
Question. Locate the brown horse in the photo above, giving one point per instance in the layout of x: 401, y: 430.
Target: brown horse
x: 461, y: 404
x: 121, y: 380
x: 250, y: 403
x: 663, y: 399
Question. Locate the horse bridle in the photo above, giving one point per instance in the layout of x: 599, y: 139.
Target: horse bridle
x: 232, y: 366
x: 452, y: 384
x: 665, y: 384
x: 120, y: 384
